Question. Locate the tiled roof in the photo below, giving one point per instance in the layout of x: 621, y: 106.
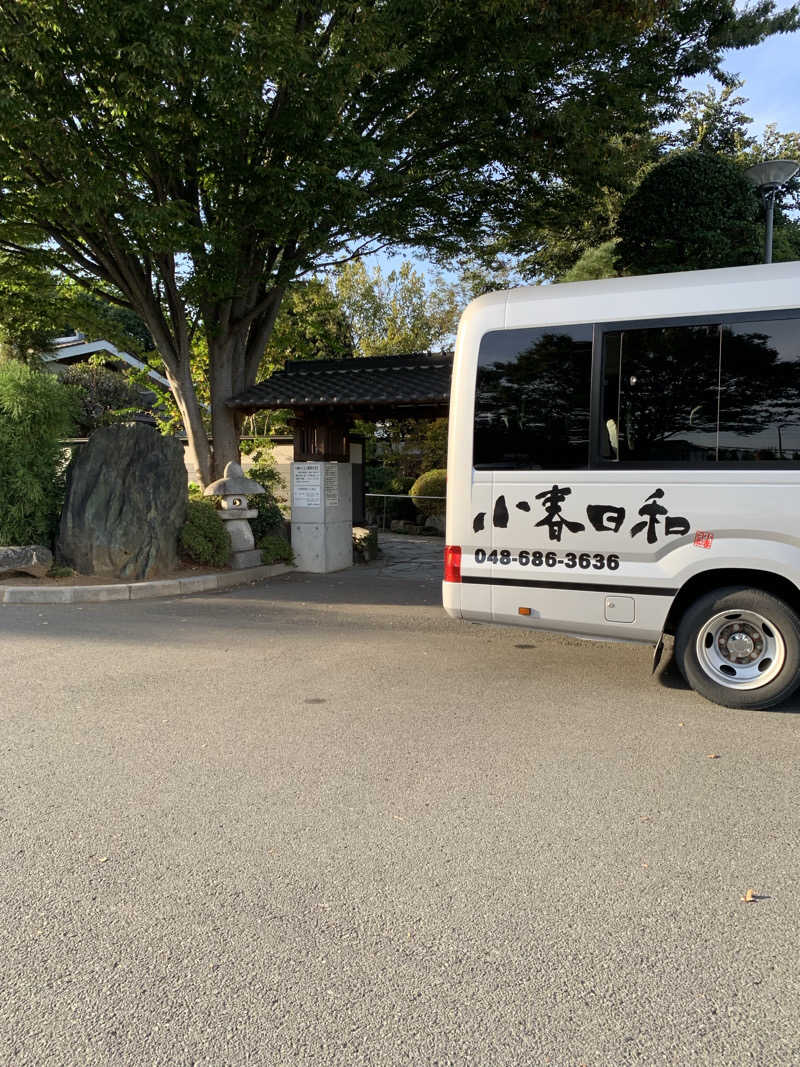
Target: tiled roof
x: 387, y: 383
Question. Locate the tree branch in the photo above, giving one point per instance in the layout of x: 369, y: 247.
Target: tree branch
x: 260, y: 333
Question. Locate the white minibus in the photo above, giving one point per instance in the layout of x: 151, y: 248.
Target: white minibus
x: 624, y: 462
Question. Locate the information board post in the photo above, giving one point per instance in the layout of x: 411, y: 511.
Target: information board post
x: 322, y: 515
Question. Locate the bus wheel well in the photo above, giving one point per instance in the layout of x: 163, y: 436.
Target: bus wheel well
x: 717, y: 579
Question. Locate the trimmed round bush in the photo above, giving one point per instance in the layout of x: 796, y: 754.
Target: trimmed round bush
x: 693, y: 211
x: 430, y: 484
x: 204, y: 538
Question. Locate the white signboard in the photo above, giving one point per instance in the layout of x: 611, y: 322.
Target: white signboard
x: 307, y: 485
x: 331, y: 485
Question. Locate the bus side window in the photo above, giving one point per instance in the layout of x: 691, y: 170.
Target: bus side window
x: 661, y: 394
x: 532, y: 399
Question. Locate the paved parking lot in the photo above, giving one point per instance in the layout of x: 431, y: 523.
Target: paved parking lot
x: 314, y: 821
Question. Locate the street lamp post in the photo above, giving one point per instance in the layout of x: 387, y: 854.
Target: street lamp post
x: 768, y: 178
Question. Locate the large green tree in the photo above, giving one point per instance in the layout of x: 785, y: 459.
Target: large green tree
x: 37, y: 305
x: 775, y: 144
x: 547, y: 239
x: 396, y: 312
x: 715, y: 122
x: 190, y: 159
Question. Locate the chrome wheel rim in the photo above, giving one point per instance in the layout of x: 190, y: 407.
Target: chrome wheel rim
x: 741, y: 649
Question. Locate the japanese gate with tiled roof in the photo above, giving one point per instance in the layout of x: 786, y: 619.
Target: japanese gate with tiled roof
x: 325, y: 397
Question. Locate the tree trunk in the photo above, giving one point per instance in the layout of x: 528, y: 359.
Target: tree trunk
x: 175, y: 352
x: 199, y: 450
x: 225, y: 422
x: 225, y: 428
x: 233, y: 360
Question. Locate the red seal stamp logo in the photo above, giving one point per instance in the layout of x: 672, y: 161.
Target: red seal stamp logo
x: 703, y: 539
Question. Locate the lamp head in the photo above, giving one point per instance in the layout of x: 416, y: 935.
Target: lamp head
x: 772, y: 174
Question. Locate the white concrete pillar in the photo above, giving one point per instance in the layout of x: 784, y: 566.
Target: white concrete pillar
x: 322, y: 516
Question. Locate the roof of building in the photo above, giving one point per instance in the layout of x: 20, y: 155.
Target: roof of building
x: 76, y: 349
x: 415, y: 384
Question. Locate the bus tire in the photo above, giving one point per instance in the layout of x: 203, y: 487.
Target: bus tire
x: 740, y: 647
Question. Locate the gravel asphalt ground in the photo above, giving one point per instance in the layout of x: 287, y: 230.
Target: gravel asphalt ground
x: 315, y: 821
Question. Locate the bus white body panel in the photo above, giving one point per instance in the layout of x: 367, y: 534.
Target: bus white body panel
x: 686, y: 414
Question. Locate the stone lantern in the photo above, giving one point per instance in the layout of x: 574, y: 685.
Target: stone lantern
x: 234, y: 489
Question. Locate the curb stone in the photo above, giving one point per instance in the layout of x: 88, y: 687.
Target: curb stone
x: 87, y: 594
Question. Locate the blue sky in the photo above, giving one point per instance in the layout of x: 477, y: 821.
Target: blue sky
x: 771, y: 71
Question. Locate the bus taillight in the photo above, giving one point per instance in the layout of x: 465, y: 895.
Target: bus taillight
x: 452, y: 563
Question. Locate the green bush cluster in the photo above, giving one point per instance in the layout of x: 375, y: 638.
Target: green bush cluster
x: 58, y: 570
x: 432, y: 483
x: 269, y: 521
x: 105, y: 396
x: 36, y: 411
x: 275, y: 549
x: 203, y: 537
x: 400, y: 451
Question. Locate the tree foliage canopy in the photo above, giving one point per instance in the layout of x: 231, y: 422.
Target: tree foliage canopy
x: 103, y: 396
x: 191, y: 160
x: 30, y: 309
x: 398, y: 312
x: 599, y: 262
x: 310, y: 325
x: 714, y: 121
x: 669, y: 204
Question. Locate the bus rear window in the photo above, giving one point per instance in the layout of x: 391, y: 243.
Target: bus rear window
x: 532, y: 399
x: 759, y: 409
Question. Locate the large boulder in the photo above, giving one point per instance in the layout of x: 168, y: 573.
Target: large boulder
x: 125, y: 504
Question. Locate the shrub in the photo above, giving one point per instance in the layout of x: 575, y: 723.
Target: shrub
x: 275, y: 549
x: 400, y: 450
x: 105, y: 396
x: 432, y: 483
x: 266, y: 473
x: 595, y: 263
x: 36, y: 410
x: 59, y: 571
x: 204, y: 538
x: 269, y: 521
